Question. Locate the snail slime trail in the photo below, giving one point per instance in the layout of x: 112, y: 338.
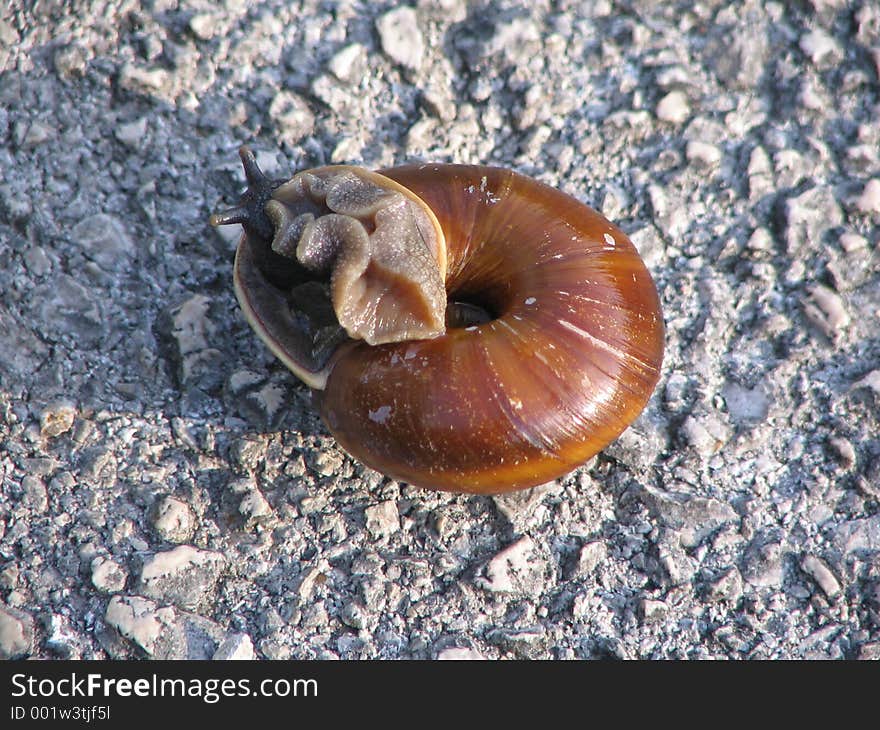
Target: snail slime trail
x: 464, y: 327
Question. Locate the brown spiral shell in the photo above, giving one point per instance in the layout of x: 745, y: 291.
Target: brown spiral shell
x: 567, y: 359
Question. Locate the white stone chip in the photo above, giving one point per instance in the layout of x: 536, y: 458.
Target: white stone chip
x: 869, y: 201
x: 107, y: 575
x: 401, y: 38
x: 673, y: 108
x: 235, y: 647
x: 821, y: 573
x: 174, y: 520
x: 183, y: 576
x: 516, y: 569
x: 820, y: 47
x: 140, y: 620
x: 455, y: 653
x: 382, y: 519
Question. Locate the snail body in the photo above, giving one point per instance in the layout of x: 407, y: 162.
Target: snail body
x: 503, y: 337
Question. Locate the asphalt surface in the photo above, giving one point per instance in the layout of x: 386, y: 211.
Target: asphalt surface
x: 168, y: 490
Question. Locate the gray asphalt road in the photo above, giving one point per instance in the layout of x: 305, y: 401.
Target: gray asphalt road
x: 168, y: 489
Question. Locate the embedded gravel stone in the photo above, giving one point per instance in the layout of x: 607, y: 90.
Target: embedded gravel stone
x: 760, y: 174
x: 519, y: 568
x: 203, y: 25
x: 193, y: 332
x: 34, y: 492
x: 705, y: 154
x: 70, y: 60
x: 673, y: 108
x: 523, y: 643
x: 105, y: 240
x: 746, y: 405
x: 401, y: 38
x: 459, y: 653
x: 325, y: 462
x: 57, y: 418
x: 726, y: 587
x: 182, y: 576
x: 255, y: 508
x: 861, y: 534
x: 652, y: 611
x: 348, y: 63
x: 519, y: 507
x: 62, y: 638
x: 382, y: 520
x: 846, y: 453
x: 826, y: 310
x: 236, y: 646
x: 817, y: 569
x: 70, y: 311
x: 871, y: 381
x: 108, y: 576
x: 739, y: 55
x: 852, y: 242
x: 588, y: 559
x: 292, y: 116
x: 16, y: 633
x: 821, y: 48
x: 706, y: 433
x: 762, y: 565
x: 151, y: 628
x: 809, y: 216
x: 869, y: 200
x: 132, y: 133
x: 693, y: 517
x: 173, y: 520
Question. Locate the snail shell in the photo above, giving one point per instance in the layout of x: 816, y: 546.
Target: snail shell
x: 464, y: 327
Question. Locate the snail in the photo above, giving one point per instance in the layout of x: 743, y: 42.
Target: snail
x: 463, y: 327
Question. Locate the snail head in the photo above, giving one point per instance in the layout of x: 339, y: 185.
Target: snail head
x: 346, y: 254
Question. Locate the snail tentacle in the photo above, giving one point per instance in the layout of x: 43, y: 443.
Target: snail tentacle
x: 250, y: 210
